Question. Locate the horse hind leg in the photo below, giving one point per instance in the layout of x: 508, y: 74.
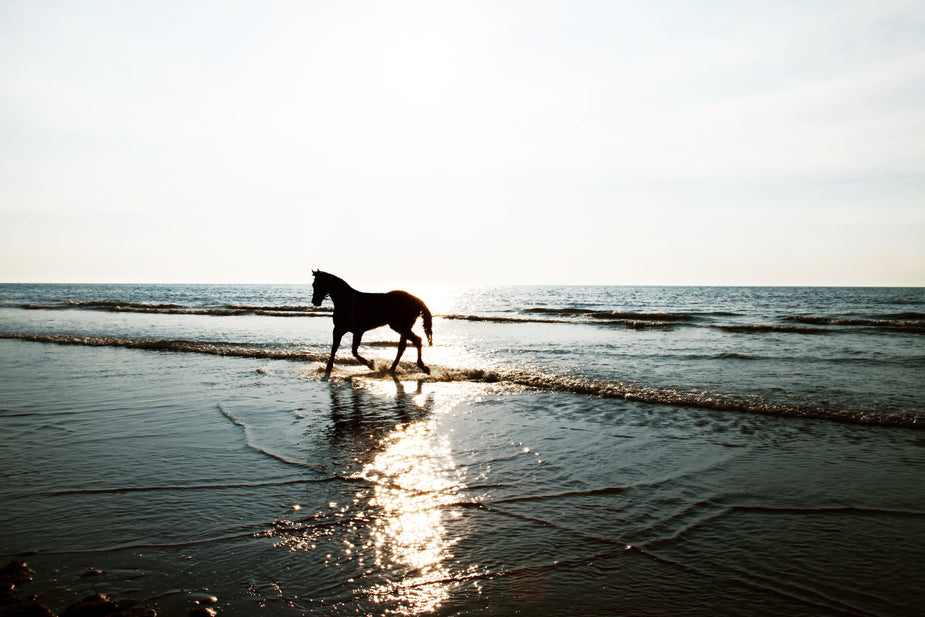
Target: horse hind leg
x: 357, y: 337
x: 416, y: 341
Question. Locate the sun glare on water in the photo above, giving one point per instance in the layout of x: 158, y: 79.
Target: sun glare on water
x: 415, y: 482
x: 397, y: 531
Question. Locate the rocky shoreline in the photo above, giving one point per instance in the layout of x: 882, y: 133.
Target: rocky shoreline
x: 13, y: 604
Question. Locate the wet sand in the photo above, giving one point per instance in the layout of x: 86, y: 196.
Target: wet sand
x: 185, y: 477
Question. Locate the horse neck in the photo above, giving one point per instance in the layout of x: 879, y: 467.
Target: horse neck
x: 339, y: 290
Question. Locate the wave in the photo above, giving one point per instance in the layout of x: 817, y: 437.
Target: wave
x: 250, y: 444
x: 516, y: 378
x: 837, y: 510
x: 637, y: 321
x: 501, y: 319
x: 674, y: 397
x: 607, y: 490
x: 731, y: 355
x: 243, y: 350
x: 559, y: 311
x: 179, y: 487
x: 179, y: 309
x: 668, y: 321
x: 719, y: 314
x: 611, y: 315
x: 898, y: 322
x: 905, y: 316
x: 621, y: 316
x: 763, y: 328
x: 284, y: 310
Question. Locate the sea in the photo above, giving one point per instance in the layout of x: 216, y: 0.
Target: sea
x: 577, y: 450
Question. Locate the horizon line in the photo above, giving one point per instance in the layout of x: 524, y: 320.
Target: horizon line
x: 307, y: 282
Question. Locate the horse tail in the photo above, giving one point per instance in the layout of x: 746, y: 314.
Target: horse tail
x: 428, y: 324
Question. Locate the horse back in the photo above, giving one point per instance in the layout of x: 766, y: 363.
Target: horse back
x: 367, y: 311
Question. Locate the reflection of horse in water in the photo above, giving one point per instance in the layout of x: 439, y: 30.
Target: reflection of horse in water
x: 357, y: 312
x: 397, y: 515
x: 362, y: 418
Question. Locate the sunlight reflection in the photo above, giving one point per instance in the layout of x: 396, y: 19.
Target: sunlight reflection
x: 441, y: 298
x: 390, y: 536
x: 415, y: 479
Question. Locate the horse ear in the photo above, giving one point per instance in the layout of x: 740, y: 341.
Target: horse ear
x: 314, y: 273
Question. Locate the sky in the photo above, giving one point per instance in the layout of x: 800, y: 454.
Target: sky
x: 497, y: 142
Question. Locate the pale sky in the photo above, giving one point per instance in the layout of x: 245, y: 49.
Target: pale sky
x: 613, y: 142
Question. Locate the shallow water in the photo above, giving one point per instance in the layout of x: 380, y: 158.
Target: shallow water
x: 184, y: 475
x: 852, y: 354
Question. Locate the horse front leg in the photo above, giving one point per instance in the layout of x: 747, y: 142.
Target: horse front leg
x: 401, y: 349
x: 357, y: 337
x: 338, y: 335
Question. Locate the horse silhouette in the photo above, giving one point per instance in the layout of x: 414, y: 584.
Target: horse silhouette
x: 357, y: 311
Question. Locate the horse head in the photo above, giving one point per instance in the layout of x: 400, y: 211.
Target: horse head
x: 319, y: 287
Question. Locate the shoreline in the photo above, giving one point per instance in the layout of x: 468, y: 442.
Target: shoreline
x: 15, y: 602
x: 514, y: 377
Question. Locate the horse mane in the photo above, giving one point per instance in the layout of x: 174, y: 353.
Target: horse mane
x: 331, y: 279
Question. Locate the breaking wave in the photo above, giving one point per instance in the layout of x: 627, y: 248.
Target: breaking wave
x: 535, y: 380
x: 612, y: 315
x: 913, y: 323
x: 503, y: 319
x: 762, y: 328
x: 512, y: 378
x: 583, y: 316
x: 242, y: 350
x: 230, y: 310
x: 794, y: 324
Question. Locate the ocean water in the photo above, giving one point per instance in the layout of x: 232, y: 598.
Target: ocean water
x: 575, y: 450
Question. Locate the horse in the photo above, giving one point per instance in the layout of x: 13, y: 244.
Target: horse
x: 357, y: 312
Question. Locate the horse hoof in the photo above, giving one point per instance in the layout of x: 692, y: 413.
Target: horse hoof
x: 426, y: 370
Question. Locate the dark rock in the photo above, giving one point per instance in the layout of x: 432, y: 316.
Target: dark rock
x: 202, y: 598
x: 137, y: 612
x: 23, y: 607
x: 14, y: 573
x: 100, y: 606
x: 96, y: 605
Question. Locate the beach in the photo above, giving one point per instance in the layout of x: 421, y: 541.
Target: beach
x: 667, y: 261
x: 180, y: 479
